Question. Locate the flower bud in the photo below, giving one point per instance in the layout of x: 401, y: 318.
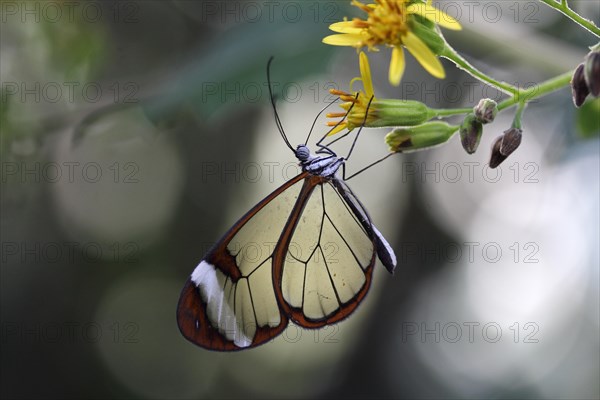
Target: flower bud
x: 486, y: 110
x: 471, y: 130
x: 380, y: 113
x: 511, y: 141
x: 505, y: 145
x: 391, y: 112
x: 579, y: 87
x: 592, y: 72
x: 497, y: 157
x: 419, y: 137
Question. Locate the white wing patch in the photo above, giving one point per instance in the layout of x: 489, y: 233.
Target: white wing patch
x: 237, y: 309
x: 388, y: 249
x: 217, y: 297
x: 246, y: 324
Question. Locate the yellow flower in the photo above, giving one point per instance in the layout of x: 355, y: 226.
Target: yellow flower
x: 393, y: 23
x: 380, y: 112
x: 357, y: 103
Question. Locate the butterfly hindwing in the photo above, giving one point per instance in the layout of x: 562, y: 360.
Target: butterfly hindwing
x: 324, y: 264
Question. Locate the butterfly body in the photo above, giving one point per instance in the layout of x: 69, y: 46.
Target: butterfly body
x: 305, y: 253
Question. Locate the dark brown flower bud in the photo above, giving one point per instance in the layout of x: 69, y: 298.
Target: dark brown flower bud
x: 470, y: 133
x: 591, y: 72
x: 579, y: 87
x: 510, y: 141
x: 505, y: 145
x: 497, y: 157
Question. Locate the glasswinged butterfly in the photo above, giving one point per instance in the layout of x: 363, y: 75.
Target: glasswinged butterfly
x: 233, y: 301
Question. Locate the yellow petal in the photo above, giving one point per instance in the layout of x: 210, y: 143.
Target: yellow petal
x: 337, y: 129
x: 435, y: 15
x: 425, y: 56
x: 397, y: 65
x: 344, y: 27
x: 365, y: 74
x: 344, y: 39
x: 353, y: 81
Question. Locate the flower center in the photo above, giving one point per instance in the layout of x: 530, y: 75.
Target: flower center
x: 386, y: 23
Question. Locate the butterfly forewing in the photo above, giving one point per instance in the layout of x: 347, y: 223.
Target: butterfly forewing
x: 229, y: 301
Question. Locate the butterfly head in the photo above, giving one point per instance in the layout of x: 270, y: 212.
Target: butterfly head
x: 302, y: 153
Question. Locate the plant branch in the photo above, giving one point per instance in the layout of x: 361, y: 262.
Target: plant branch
x: 534, y: 92
x: 564, y: 8
x: 463, y: 64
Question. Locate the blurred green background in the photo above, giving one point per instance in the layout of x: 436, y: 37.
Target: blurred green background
x: 134, y: 133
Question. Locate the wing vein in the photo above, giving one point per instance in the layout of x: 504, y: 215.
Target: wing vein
x: 337, y: 295
x: 345, y: 242
x: 258, y: 266
x: 350, y: 211
x: 252, y: 302
x: 322, y: 216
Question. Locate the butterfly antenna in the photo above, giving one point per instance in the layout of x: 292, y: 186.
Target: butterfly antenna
x: 277, y: 119
x: 352, y: 148
x: 361, y: 127
x: 316, y: 118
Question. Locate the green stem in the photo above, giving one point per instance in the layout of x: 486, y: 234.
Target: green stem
x: 447, y: 112
x: 564, y: 8
x: 521, y: 96
x: 460, y: 62
x: 518, y: 115
x: 534, y: 92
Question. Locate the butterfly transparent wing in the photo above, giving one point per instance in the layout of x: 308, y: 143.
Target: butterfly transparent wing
x: 329, y: 257
x: 306, y: 252
x: 229, y: 302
